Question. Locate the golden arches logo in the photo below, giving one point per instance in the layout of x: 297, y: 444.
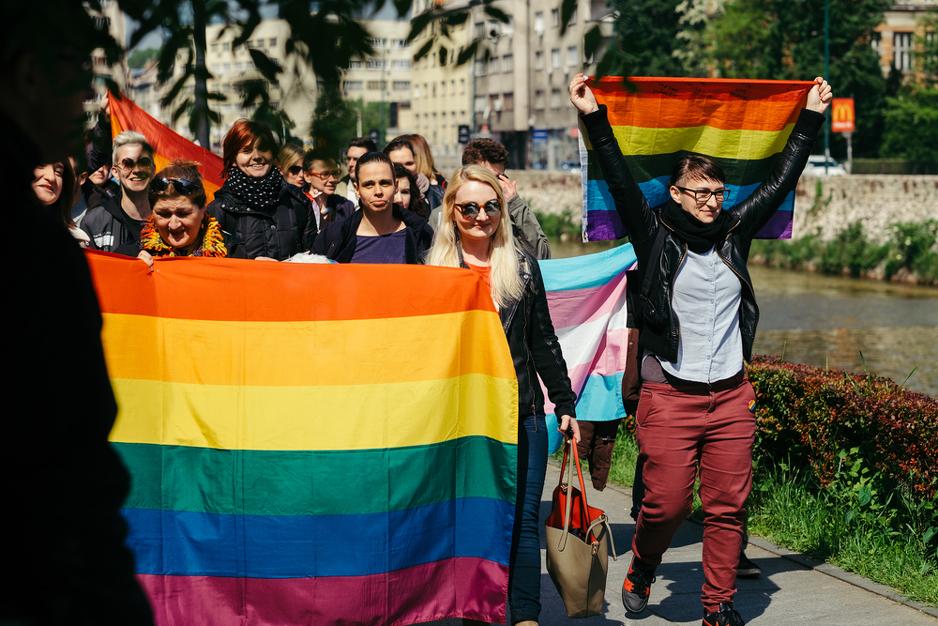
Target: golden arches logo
x: 843, y: 116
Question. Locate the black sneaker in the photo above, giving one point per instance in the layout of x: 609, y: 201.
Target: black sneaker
x: 726, y: 616
x: 637, y: 587
x: 746, y: 568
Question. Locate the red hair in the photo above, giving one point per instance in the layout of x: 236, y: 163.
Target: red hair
x: 243, y: 134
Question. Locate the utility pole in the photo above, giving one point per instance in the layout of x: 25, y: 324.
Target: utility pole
x: 827, y: 72
x: 199, y: 23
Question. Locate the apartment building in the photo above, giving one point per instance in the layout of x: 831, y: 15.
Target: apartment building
x: 386, y: 76
x: 897, y: 38
x: 441, y: 95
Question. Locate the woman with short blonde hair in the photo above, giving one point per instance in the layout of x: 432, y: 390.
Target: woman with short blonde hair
x: 475, y: 233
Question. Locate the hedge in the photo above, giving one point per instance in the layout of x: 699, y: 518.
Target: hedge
x: 807, y: 415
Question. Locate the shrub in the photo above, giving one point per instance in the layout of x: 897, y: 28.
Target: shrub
x: 810, y: 416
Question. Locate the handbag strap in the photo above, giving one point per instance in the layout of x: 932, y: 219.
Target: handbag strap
x: 570, y: 447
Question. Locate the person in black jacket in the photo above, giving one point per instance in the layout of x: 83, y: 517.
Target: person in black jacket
x: 380, y: 231
x: 63, y: 551
x: 697, y: 317
x: 261, y: 215
x: 114, y: 223
x: 475, y: 232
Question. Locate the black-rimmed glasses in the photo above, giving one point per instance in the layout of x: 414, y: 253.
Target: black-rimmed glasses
x: 702, y: 196
x: 472, y: 209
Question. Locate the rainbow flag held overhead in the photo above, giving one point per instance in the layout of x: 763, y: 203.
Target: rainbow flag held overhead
x: 586, y: 297
x: 743, y: 124
x: 312, y: 444
x: 167, y: 143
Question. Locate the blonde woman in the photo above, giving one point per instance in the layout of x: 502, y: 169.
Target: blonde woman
x: 475, y: 233
x: 290, y: 164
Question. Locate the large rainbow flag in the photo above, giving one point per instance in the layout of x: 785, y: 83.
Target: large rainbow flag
x: 586, y: 297
x: 742, y: 124
x: 312, y: 444
x: 168, y: 144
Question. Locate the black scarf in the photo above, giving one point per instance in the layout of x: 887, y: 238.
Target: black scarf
x: 698, y: 236
x: 258, y: 193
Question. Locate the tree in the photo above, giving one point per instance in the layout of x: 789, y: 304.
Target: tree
x: 645, y: 39
x: 140, y: 57
x: 783, y: 39
x: 912, y: 125
x: 324, y: 38
x: 927, y: 43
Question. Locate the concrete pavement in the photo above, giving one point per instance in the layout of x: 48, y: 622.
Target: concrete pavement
x: 787, y: 593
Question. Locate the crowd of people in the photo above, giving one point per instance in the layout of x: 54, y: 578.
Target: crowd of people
x: 695, y: 309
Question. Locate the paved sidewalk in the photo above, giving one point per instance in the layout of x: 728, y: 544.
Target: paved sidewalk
x: 787, y: 593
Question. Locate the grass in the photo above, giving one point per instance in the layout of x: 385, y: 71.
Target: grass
x: 882, y: 542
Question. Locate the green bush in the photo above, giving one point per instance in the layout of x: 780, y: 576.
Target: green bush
x: 558, y: 225
x: 852, y: 252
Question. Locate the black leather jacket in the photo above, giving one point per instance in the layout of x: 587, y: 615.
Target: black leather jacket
x: 660, y: 332
x: 534, y: 347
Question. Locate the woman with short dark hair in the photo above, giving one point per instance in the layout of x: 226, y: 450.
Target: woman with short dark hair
x: 261, y: 215
x: 698, y: 317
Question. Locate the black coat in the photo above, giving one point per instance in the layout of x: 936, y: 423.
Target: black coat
x: 63, y: 484
x: 279, y: 233
x: 337, y: 241
x: 109, y: 227
x: 534, y: 347
x: 660, y: 251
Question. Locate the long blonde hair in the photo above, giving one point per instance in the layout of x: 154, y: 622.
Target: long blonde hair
x: 423, y: 156
x: 504, y: 272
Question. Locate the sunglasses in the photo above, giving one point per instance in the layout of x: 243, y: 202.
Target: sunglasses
x: 471, y: 209
x: 129, y: 164
x: 295, y: 169
x: 182, y: 186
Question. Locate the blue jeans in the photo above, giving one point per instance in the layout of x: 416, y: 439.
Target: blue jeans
x: 524, y: 584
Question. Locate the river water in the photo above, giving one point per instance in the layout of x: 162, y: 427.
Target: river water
x: 857, y: 325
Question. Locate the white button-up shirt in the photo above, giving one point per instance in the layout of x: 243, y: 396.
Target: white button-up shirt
x: 706, y: 300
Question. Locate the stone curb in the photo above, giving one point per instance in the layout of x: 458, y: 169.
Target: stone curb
x: 819, y: 566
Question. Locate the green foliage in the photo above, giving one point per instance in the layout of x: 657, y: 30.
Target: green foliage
x: 140, y: 57
x: 851, y: 251
x: 334, y: 121
x: 645, y: 33
x: 783, y: 39
x: 928, y: 47
x: 912, y: 125
x: 911, y: 248
x: 558, y: 225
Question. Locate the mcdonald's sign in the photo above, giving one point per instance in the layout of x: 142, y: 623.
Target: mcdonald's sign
x: 843, y: 116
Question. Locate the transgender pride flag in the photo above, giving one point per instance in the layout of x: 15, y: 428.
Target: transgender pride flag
x: 586, y: 297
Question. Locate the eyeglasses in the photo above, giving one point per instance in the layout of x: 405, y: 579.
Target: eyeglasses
x: 128, y: 165
x: 326, y: 174
x: 471, y: 209
x: 295, y: 169
x: 702, y: 196
x: 182, y: 186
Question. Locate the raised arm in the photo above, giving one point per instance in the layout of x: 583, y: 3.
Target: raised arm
x: 756, y: 210
x: 630, y: 204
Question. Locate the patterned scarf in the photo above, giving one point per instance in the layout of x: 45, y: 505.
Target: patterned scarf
x: 258, y: 193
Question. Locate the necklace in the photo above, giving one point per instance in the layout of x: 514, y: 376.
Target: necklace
x: 213, y: 242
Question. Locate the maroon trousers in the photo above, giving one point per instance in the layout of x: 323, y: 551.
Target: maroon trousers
x: 679, y: 429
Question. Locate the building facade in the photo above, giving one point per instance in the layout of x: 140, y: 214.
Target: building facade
x: 899, y: 37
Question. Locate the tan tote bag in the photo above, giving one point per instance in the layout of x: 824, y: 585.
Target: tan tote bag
x: 578, y: 541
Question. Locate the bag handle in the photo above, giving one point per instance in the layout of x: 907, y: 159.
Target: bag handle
x: 570, y: 446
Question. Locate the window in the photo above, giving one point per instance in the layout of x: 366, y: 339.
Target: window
x: 376, y: 64
x: 555, y: 58
x: 902, y: 51
x: 538, y: 99
x: 555, y: 100
x: 479, y: 68
x: 478, y: 30
x: 377, y: 85
x: 539, y: 22
x: 508, y: 101
x: 539, y: 60
x: 555, y: 18
x: 572, y: 17
x: 573, y: 56
x: 508, y: 62
x: 272, y: 42
x: 353, y: 85
x: 462, y: 86
x: 355, y: 65
x: 401, y: 85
